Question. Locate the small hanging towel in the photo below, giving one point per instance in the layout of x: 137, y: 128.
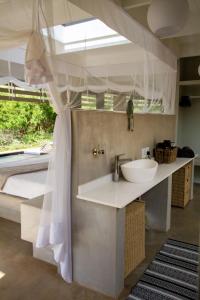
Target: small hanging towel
x: 129, y: 110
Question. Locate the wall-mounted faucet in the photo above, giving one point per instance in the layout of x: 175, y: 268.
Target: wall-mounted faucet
x: 119, y: 162
x: 98, y: 151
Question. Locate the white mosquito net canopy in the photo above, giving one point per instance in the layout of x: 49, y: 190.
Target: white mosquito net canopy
x: 94, y: 46
x: 80, y: 46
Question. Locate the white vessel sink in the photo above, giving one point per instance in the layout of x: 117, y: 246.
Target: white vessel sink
x: 139, y: 171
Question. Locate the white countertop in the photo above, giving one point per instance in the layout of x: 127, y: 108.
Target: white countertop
x: 119, y: 194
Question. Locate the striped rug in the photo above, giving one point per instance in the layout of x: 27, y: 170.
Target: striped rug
x: 172, y: 275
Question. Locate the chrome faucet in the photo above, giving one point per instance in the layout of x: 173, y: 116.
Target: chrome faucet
x: 119, y: 162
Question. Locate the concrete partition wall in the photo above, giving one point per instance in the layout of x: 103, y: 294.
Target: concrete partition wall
x: 98, y: 231
x: 98, y: 247
x: 109, y: 131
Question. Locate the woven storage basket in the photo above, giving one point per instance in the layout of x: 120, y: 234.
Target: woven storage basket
x: 159, y: 155
x: 134, y: 236
x: 165, y: 156
x: 181, y: 186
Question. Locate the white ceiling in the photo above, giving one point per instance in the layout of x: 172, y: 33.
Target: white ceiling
x: 130, y: 4
x: 187, y: 41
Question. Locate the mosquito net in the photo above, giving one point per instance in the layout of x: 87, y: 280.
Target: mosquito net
x: 83, y: 46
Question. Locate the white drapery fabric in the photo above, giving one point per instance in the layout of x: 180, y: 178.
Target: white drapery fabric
x: 55, y: 223
x: 17, y: 82
x: 25, y: 28
x: 148, y: 78
x: 145, y: 74
x: 117, y: 19
x: 16, y: 19
x: 55, y: 220
x: 37, y: 70
x: 143, y: 65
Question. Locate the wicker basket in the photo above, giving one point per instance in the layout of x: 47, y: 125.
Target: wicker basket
x: 181, y: 186
x: 134, y: 236
x: 165, y: 156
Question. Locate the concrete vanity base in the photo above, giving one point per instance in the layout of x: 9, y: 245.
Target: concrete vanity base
x: 158, y: 205
x: 98, y: 247
x: 99, y: 235
x: 100, y: 239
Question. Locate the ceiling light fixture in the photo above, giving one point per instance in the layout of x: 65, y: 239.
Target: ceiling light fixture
x: 199, y: 70
x: 167, y: 17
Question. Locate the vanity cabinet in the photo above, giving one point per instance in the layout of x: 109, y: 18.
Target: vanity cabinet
x: 134, y: 236
x: 109, y: 226
x: 181, y: 186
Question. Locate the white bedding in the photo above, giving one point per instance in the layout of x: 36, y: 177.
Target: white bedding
x: 22, y: 160
x: 29, y: 185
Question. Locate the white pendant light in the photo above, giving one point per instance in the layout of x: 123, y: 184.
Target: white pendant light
x: 199, y: 70
x: 167, y: 17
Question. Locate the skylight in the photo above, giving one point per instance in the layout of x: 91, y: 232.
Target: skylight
x: 87, y: 34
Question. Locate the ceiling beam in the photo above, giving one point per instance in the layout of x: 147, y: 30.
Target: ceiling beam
x: 128, y: 4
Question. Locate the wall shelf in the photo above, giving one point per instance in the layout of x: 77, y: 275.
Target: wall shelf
x: 189, y: 82
x: 197, y: 180
x: 197, y: 170
x: 197, y: 161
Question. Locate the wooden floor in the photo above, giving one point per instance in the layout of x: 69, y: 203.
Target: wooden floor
x: 24, y: 278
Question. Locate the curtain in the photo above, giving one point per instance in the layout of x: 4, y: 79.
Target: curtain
x: 55, y: 223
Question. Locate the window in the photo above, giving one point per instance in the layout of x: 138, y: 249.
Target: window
x: 26, y: 119
x: 88, y: 101
x: 116, y: 102
x: 108, y: 102
x: 12, y: 92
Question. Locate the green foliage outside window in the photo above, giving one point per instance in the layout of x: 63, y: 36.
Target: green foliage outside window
x: 24, y: 125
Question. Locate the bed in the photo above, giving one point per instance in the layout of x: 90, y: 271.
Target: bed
x: 21, y: 183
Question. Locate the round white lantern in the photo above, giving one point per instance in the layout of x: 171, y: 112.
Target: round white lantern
x: 199, y: 70
x: 167, y: 17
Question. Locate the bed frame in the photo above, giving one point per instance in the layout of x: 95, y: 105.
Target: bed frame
x: 10, y: 207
